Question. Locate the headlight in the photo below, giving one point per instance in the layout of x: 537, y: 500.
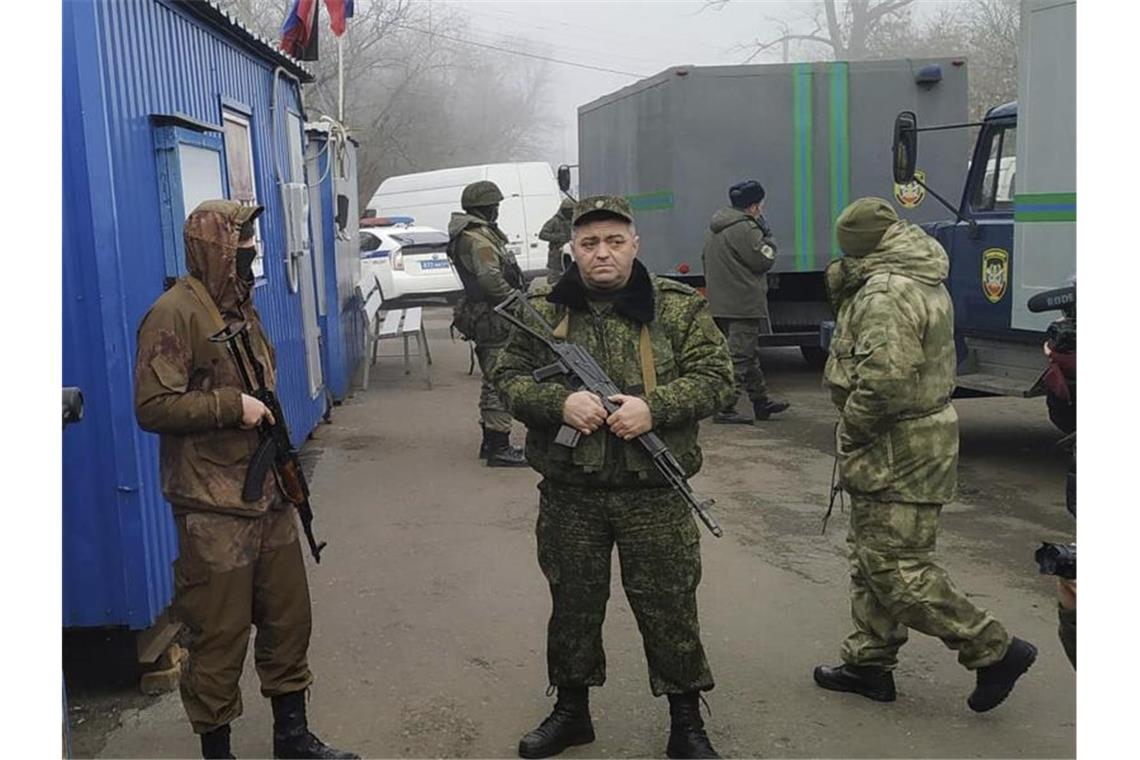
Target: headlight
x: 397, y: 261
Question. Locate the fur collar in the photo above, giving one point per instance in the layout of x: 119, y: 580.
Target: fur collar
x: 635, y: 301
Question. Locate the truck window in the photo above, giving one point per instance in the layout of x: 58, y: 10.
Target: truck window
x: 994, y: 188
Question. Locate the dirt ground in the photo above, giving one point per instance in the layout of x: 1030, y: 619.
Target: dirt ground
x: 430, y: 611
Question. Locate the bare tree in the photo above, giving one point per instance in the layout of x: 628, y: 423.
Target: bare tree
x: 417, y: 96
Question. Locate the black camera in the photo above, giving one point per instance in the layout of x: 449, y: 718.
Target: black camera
x: 1057, y: 559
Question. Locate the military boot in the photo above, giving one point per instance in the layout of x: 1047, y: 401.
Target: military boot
x: 873, y: 683
x: 766, y: 407
x: 996, y: 681
x: 568, y: 726
x: 729, y: 416
x: 500, y: 451
x: 291, y: 735
x: 687, y: 737
x: 484, y: 447
x: 216, y: 743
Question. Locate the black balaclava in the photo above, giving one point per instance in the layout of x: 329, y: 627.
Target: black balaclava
x: 246, y: 255
x: 486, y: 213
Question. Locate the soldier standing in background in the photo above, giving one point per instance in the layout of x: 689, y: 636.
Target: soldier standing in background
x: 239, y: 563
x: 891, y: 372
x: 478, y: 251
x: 556, y: 232
x: 657, y: 341
x: 739, y: 251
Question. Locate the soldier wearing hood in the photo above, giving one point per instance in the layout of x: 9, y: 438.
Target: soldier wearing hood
x: 556, y: 232
x: 239, y: 562
x: 656, y: 340
x: 489, y: 273
x: 739, y: 250
x: 891, y: 373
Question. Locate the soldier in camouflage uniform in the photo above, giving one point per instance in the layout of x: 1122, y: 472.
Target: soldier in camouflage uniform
x: 891, y: 373
x: 489, y: 274
x: 239, y: 562
x: 556, y: 232
x: 657, y: 341
x: 739, y: 250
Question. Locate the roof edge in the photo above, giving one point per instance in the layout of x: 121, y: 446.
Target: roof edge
x: 211, y: 13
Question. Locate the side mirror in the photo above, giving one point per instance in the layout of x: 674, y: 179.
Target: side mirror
x: 564, y: 178
x: 904, y: 148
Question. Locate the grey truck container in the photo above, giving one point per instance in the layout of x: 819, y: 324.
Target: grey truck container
x: 816, y: 135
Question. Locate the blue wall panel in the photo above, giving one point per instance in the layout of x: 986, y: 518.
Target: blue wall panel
x: 125, y: 60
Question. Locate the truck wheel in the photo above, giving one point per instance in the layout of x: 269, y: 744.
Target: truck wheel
x: 815, y: 356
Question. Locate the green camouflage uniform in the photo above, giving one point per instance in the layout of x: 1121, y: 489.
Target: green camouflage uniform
x: 557, y: 233
x: 607, y: 491
x: 739, y: 251
x: 891, y: 372
x: 489, y: 274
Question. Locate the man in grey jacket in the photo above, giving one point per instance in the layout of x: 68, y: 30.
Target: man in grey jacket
x: 739, y: 251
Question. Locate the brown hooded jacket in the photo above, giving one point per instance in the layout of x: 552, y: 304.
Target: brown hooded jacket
x: 187, y: 388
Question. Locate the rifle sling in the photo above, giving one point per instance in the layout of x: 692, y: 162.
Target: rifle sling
x: 644, y: 350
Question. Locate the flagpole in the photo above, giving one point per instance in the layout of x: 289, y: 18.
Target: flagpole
x: 340, y: 76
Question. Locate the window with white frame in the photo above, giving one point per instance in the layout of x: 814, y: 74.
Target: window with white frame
x: 241, y: 175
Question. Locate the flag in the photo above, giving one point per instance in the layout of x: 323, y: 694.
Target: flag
x: 299, y: 32
x: 339, y: 10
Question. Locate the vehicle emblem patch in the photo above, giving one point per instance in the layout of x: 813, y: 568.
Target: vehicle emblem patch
x: 911, y: 194
x: 995, y: 273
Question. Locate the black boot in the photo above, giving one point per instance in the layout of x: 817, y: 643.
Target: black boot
x: 766, y: 407
x: 216, y: 743
x: 996, y: 681
x: 484, y: 448
x: 687, y: 737
x: 500, y: 451
x: 568, y: 726
x: 291, y: 735
x: 731, y: 417
x: 873, y: 683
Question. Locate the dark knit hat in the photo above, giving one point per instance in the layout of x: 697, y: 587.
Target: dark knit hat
x: 744, y: 194
x: 862, y: 224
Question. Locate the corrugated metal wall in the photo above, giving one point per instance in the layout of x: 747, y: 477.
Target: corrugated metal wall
x: 123, y: 61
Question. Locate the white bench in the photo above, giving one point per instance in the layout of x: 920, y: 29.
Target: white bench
x: 382, y: 324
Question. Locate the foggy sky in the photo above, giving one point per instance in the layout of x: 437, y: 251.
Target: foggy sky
x: 641, y: 38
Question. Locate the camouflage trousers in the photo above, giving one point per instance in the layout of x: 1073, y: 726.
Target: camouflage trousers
x: 659, y: 553
x: 896, y: 586
x: 493, y: 412
x: 744, y: 344
x: 553, y: 265
x: 232, y: 573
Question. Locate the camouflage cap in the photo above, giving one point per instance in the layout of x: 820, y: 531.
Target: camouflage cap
x: 862, y: 224
x: 602, y: 206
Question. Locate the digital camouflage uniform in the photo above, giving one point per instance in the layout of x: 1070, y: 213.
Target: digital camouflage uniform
x: 489, y: 274
x: 606, y: 490
x: 239, y: 562
x: 557, y: 233
x: 739, y: 250
x: 891, y: 372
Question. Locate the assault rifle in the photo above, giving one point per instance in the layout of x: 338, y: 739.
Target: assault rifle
x: 275, y: 450
x: 584, y: 373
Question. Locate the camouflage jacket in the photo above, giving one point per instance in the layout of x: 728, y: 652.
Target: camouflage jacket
x: 489, y: 274
x: 694, y: 376
x: 557, y: 231
x: 739, y: 251
x: 891, y: 370
x: 187, y: 389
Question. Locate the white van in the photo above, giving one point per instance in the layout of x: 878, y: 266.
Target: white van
x: 530, y: 197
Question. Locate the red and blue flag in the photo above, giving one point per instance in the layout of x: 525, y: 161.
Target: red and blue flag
x: 339, y: 10
x: 299, y: 32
